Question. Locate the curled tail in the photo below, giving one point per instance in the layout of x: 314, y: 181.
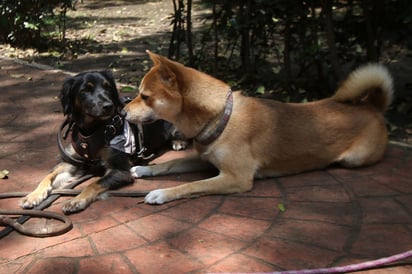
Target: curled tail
x: 370, y: 84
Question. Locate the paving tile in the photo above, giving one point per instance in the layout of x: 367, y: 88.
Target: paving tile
x: 311, y: 233
x: 328, y: 212
x: 252, y: 207
x: 382, y: 240
x: 16, y: 266
x: 381, y: 210
x: 289, y: 255
x: 406, y: 202
x: 194, y: 210
x: 312, y: 178
x: 155, y: 227
x: 334, y: 193
x: 395, y: 181
x: 385, y: 166
x: 79, y: 247
x: 245, y: 229
x: 53, y: 265
x: 161, y: 258
x: 239, y: 263
x: 104, y: 264
x: 369, y: 186
x: 204, y: 246
x: 99, y: 224
x: 116, y: 239
x: 15, y: 245
x: 131, y: 214
x: 263, y: 188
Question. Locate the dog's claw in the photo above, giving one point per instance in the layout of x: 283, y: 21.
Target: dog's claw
x: 157, y: 196
x: 140, y: 171
x: 74, y: 205
x: 32, y: 200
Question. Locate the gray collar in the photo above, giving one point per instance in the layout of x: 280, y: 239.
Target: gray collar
x: 215, y: 127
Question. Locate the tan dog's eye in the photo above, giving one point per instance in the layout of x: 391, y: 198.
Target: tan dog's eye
x: 144, y: 97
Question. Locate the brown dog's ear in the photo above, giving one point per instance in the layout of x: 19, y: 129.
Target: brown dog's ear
x: 166, y: 68
x: 156, y: 58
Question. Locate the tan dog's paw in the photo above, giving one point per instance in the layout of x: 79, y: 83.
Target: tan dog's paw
x: 33, y: 199
x: 75, y: 205
x: 141, y: 171
x: 158, y: 196
x: 179, y: 145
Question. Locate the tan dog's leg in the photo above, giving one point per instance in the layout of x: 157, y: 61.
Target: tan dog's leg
x: 181, y: 165
x: 60, y: 173
x: 224, y: 183
x: 234, y: 177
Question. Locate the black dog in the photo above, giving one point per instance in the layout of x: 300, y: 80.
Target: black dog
x: 102, y: 142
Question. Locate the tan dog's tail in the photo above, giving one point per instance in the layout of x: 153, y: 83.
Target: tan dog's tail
x: 368, y: 84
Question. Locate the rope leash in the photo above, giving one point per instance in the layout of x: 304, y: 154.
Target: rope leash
x: 67, y: 224
x: 353, y: 267
x: 46, y: 203
x: 17, y: 224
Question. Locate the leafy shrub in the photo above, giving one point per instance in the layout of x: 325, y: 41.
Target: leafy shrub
x: 23, y: 22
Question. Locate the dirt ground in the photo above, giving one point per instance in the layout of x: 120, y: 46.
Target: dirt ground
x: 114, y: 34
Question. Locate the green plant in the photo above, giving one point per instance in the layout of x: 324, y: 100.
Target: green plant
x: 26, y: 22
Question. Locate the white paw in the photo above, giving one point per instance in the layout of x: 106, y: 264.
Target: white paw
x: 141, y: 171
x: 157, y: 196
x: 33, y: 199
x: 179, y: 145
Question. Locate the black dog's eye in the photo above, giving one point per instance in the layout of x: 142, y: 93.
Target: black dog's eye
x: 89, y: 86
x: 106, y: 85
x: 144, y: 97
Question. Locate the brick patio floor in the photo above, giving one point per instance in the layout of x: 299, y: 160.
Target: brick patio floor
x: 332, y: 217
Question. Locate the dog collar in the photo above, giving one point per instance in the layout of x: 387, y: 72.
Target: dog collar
x: 214, y: 128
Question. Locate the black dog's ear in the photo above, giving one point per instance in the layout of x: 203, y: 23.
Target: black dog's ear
x: 108, y: 75
x: 67, y: 96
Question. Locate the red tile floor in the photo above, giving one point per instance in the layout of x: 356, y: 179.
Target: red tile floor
x: 331, y: 217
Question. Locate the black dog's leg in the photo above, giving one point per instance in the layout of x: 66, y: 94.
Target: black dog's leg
x: 116, y: 175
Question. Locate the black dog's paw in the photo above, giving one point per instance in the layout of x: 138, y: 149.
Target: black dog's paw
x: 179, y: 144
x: 177, y: 140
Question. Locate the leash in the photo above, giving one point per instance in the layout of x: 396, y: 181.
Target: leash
x: 353, y: 267
x: 46, y: 203
x: 16, y: 224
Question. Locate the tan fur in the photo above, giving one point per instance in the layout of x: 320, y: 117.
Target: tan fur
x: 263, y: 137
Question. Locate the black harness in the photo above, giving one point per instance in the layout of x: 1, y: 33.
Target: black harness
x: 88, y: 147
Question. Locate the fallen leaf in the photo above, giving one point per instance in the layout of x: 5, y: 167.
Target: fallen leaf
x: 281, y: 207
x: 4, y: 173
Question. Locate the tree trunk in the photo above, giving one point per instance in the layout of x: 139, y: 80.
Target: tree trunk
x: 330, y: 37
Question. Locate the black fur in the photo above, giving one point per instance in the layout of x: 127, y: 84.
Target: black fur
x: 90, y: 100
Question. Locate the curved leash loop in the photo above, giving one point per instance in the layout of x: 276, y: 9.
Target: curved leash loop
x: 11, y: 222
x: 46, y: 203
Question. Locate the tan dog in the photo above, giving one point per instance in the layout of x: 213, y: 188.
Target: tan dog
x: 247, y: 138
